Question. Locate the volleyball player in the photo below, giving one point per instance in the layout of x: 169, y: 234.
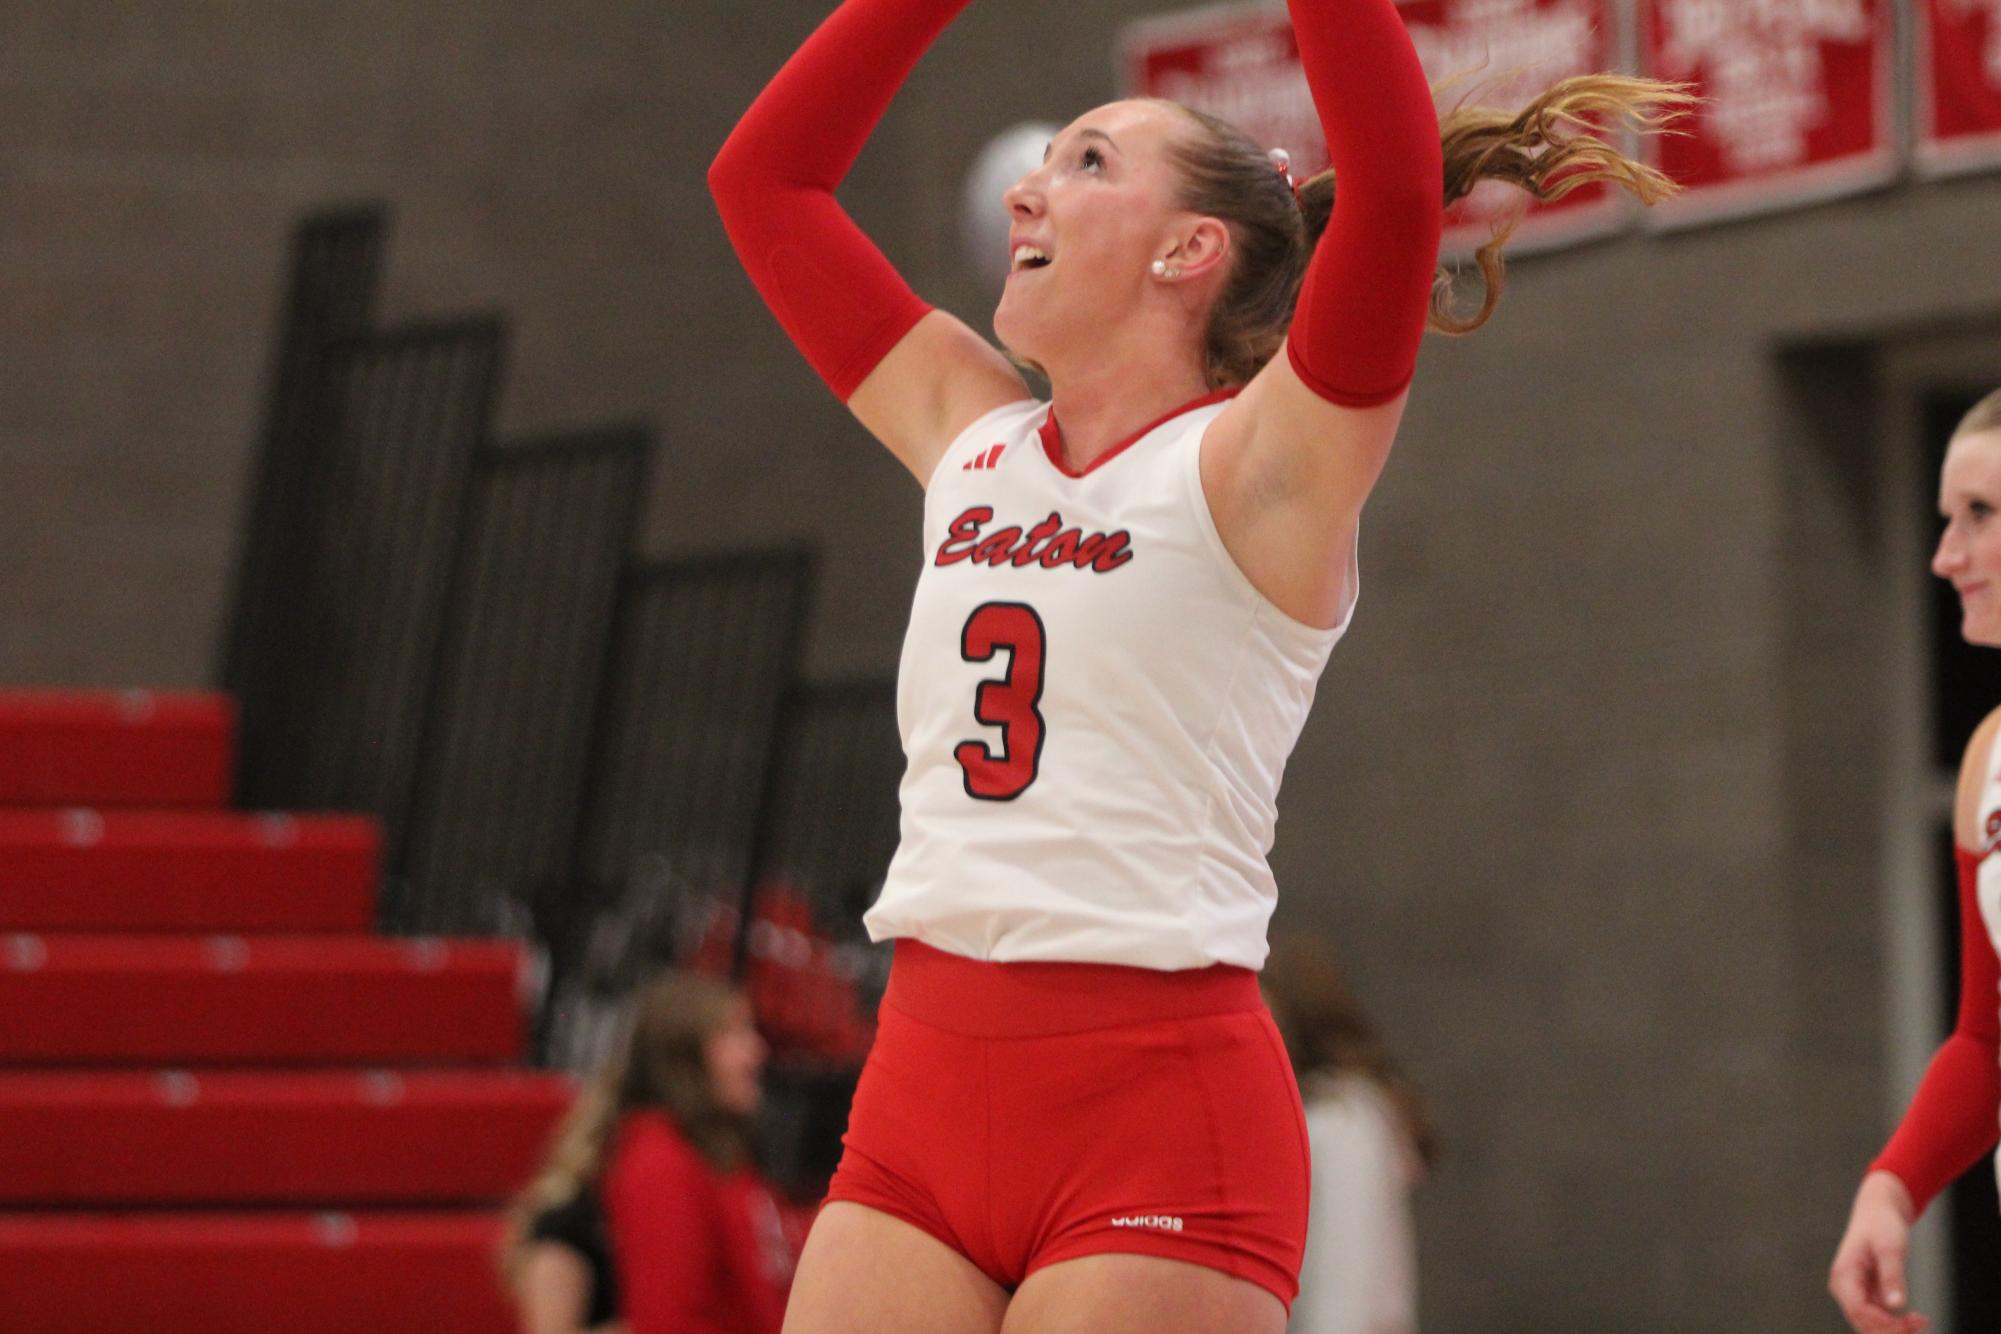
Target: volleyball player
x: 1955, y: 1118
x: 1077, y: 1114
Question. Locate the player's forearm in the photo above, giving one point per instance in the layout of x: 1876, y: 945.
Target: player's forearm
x: 808, y: 126
x: 839, y: 299
x: 1951, y: 1123
x: 1362, y: 308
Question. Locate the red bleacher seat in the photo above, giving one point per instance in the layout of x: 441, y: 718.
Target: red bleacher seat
x: 172, y: 1000
x: 111, y: 870
x: 319, y: 1137
x: 251, y: 1273
x: 115, y: 748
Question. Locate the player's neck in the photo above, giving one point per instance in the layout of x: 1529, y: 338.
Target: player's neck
x: 1104, y: 402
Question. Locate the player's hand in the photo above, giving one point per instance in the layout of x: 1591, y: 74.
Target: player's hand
x: 1867, y: 1277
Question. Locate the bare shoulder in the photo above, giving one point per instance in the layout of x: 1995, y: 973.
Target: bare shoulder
x: 554, y: 1286
x: 1973, y: 771
x: 940, y: 378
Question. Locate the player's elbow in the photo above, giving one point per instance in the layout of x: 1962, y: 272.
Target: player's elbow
x: 750, y: 199
x: 738, y: 175
x: 728, y: 180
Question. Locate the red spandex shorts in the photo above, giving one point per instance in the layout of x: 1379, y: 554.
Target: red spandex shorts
x: 1027, y: 1113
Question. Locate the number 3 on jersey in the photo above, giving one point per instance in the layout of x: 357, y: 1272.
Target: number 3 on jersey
x: 1008, y: 703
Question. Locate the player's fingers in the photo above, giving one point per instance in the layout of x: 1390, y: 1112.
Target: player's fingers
x: 1871, y: 1318
x: 1902, y: 1324
x: 1852, y: 1282
x: 1847, y: 1283
x: 1890, y: 1277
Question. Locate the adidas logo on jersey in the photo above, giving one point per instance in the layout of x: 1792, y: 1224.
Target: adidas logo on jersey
x: 986, y: 458
x: 1157, y: 1222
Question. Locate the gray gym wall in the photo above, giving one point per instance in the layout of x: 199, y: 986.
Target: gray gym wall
x: 1589, y: 801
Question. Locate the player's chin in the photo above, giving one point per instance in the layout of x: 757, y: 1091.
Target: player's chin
x: 1008, y: 317
x: 1981, y: 627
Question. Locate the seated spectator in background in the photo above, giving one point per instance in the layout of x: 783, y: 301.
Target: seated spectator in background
x: 1371, y: 1141
x: 649, y: 1216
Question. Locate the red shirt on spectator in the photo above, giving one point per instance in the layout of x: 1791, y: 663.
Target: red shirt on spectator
x: 698, y: 1251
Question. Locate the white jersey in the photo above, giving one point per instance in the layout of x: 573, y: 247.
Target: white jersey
x: 1987, y: 877
x: 1358, y: 1274
x: 1096, y: 708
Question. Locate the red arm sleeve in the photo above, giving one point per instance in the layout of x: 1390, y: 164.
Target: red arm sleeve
x: 1951, y: 1123
x: 841, y: 302
x: 1362, y: 307
x: 660, y: 1204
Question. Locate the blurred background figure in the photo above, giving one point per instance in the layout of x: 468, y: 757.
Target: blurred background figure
x: 650, y: 1214
x: 1951, y: 1122
x: 1372, y: 1142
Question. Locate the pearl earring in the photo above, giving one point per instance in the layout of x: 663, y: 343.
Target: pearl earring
x: 1160, y: 268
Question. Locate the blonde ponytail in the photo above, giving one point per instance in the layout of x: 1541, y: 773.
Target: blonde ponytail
x: 1548, y: 149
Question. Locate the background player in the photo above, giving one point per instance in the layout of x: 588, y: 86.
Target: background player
x: 1371, y: 1143
x: 1955, y: 1118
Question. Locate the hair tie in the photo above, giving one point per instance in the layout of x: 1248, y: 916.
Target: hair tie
x: 1281, y: 162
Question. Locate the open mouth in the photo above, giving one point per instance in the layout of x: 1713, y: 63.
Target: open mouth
x: 1028, y: 257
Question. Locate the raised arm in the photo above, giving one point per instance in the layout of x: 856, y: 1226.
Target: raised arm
x: 1362, y: 306
x: 1289, y: 466
x: 907, y: 371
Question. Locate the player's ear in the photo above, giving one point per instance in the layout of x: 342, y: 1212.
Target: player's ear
x: 1200, y: 247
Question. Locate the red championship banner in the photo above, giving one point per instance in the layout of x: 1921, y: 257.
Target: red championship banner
x: 1235, y: 61
x: 1798, y: 102
x: 1240, y: 62
x: 1958, y: 85
x: 1501, y: 53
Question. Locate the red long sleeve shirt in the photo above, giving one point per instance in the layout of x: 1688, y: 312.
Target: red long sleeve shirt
x: 1952, y: 1122
x: 698, y: 1251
